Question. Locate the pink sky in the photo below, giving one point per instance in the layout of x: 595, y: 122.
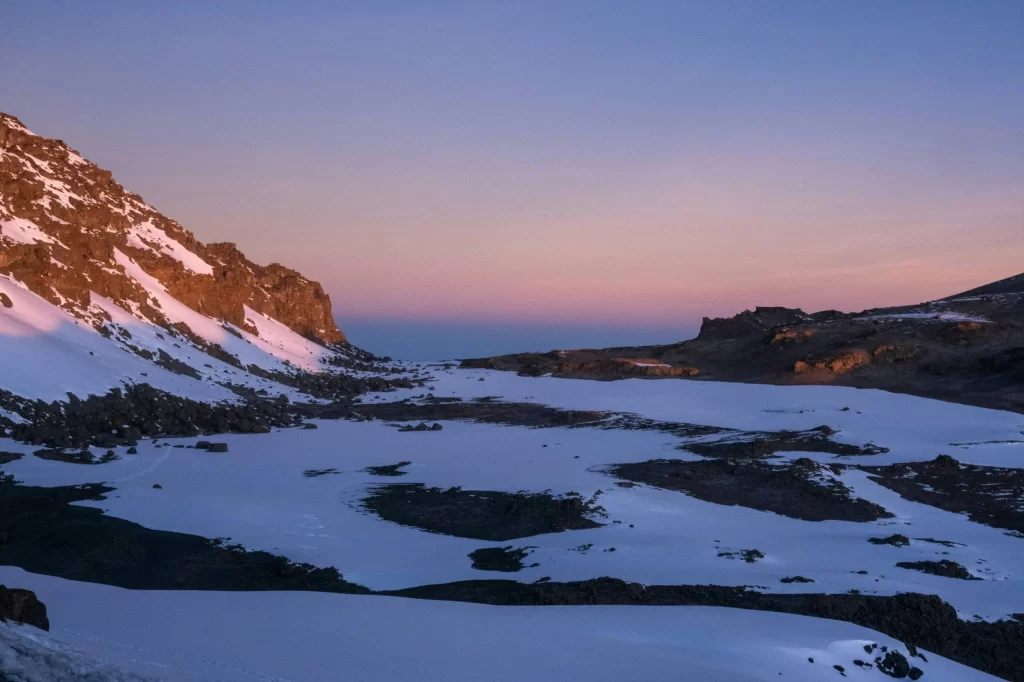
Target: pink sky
x: 622, y: 163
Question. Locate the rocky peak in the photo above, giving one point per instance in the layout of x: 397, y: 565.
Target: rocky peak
x: 750, y: 323
x: 69, y: 232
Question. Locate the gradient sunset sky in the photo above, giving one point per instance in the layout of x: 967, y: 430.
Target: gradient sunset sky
x: 628, y: 166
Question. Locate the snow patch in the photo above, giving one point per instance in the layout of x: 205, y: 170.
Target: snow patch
x: 149, y: 237
x: 311, y: 637
x: 28, y: 654
x: 22, y: 231
x: 47, y: 353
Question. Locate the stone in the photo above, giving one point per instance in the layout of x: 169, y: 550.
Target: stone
x: 22, y: 606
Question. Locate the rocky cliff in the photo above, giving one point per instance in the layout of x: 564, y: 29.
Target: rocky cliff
x: 64, y: 221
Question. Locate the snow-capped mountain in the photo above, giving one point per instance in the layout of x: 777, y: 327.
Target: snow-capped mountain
x: 100, y: 289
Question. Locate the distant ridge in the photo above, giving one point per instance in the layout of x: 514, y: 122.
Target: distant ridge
x: 1010, y: 285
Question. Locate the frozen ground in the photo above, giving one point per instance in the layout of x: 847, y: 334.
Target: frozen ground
x: 305, y: 637
x: 259, y: 494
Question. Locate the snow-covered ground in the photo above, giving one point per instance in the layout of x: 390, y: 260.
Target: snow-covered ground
x: 257, y: 493
x: 307, y: 637
x: 48, y: 352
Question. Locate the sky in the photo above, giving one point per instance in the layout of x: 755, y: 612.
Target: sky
x: 465, y: 176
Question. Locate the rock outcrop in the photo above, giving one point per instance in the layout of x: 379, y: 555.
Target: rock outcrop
x: 968, y: 348
x: 63, y: 222
x: 22, y: 606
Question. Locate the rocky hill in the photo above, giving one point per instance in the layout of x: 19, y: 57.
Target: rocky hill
x: 965, y: 348
x: 99, y: 290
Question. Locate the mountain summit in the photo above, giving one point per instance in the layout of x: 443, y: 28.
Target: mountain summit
x: 89, y: 270
x: 68, y: 229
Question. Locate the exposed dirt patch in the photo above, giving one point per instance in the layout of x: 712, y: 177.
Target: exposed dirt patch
x: 992, y: 496
x: 796, y: 579
x: 801, y: 489
x: 481, y: 514
x: 505, y: 559
x: 388, y: 469
x: 918, y: 620
x: 944, y: 568
x: 8, y: 457
x: 759, y: 445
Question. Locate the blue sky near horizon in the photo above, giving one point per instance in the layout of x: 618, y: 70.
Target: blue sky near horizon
x: 499, y: 169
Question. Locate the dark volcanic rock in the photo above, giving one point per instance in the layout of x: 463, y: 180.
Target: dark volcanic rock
x: 82, y: 543
x: 756, y: 445
x: 22, y: 606
x: 122, y: 417
x: 388, y: 469
x: 797, y: 489
x: 480, y: 514
x: 989, y: 495
x: 504, y: 559
x: 896, y: 540
x: 919, y: 620
x: 944, y: 568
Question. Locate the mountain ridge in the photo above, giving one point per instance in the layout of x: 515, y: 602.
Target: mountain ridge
x: 966, y: 348
x: 62, y: 217
x: 101, y: 291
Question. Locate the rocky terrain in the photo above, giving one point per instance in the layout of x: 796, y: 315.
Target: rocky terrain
x: 63, y: 220
x: 99, y: 291
x: 966, y: 348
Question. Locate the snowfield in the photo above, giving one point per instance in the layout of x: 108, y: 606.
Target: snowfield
x: 306, y: 637
x: 262, y: 495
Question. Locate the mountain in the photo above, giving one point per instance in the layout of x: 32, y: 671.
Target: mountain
x: 100, y: 290
x: 967, y: 348
x: 1010, y: 285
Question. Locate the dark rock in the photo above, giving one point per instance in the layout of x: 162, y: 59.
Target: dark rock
x: 794, y: 489
x: 217, y: 447
x: 896, y: 540
x: 895, y: 665
x: 7, y: 457
x: 22, y: 606
x: 944, y: 568
x: 505, y: 559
